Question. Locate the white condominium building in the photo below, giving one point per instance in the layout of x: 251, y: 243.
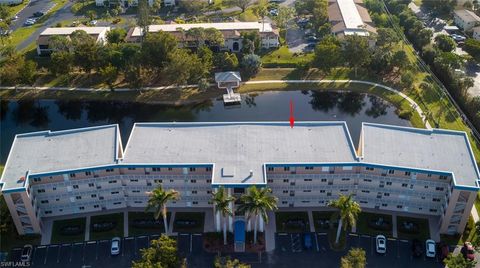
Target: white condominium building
x: 418, y: 171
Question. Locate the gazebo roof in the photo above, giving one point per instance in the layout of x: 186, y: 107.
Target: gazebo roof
x: 227, y: 77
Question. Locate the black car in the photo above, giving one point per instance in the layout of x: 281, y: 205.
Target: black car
x: 38, y: 14
x: 417, y: 248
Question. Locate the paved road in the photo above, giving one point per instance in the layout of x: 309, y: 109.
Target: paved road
x: 60, y: 15
x: 27, y: 12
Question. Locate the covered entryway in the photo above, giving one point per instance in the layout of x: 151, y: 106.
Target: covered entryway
x: 239, y: 234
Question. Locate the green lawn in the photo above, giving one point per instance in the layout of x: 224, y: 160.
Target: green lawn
x: 117, y: 231
x: 364, y: 224
x: 282, y: 57
x: 282, y: 217
x: 136, y: 231
x: 58, y: 237
x: 199, y: 217
x: 319, y: 217
x: 423, y: 228
x: 14, y: 9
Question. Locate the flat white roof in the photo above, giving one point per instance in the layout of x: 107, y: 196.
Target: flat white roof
x: 436, y: 150
x: 46, y: 151
x: 70, y: 30
x: 350, y: 14
x: 238, y: 148
x: 222, y: 26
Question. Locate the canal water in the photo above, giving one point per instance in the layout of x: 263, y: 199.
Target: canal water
x: 35, y: 115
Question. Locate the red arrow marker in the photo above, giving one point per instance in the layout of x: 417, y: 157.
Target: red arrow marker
x: 292, y: 119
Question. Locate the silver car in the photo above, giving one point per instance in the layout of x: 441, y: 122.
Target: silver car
x: 115, y: 247
x: 381, y: 244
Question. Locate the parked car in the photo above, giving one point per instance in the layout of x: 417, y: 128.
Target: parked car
x: 38, y: 14
x: 381, y: 244
x: 307, y: 240
x: 29, y: 22
x: 417, y: 248
x: 26, y: 253
x: 273, y: 12
x: 458, y: 37
x: 115, y: 248
x: 430, y: 248
x: 312, y: 39
x: 444, y: 251
x: 468, y: 251
x: 15, y: 17
x: 93, y: 22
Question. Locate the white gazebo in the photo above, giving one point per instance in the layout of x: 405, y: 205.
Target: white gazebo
x: 229, y: 80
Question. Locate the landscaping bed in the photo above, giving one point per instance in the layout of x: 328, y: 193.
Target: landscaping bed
x: 70, y: 230
x: 413, y: 228
x: 106, y: 226
x: 189, y: 222
x: 213, y: 242
x: 292, y: 222
x: 143, y: 223
x: 375, y: 224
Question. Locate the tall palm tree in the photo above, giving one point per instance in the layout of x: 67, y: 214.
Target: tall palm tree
x: 221, y: 200
x: 158, y: 199
x: 347, y: 213
x: 256, y: 203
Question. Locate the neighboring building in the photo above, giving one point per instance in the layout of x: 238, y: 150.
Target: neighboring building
x: 230, y: 30
x: 349, y: 17
x: 98, y: 33
x: 123, y: 3
x: 465, y: 19
x: 428, y: 173
x: 476, y: 33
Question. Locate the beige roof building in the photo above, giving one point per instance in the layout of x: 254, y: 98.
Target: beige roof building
x: 349, y: 17
x: 465, y: 19
x: 98, y: 33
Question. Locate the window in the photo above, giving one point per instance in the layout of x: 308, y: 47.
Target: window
x: 193, y: 181
x: 170, y: 181
x: 209, y: 181
x: 170, y: 169
x: 433, y: 210
x: 365, y: 191
x: 404, y: 184
x: 208, y: 169
x: 135, y: 191
x: 195, y: 202
x: 323, y: 180
x: 439, y: 188
x: 345, y: 179
x: 112, y: 181
x: 93, y: 195
x: 305, y: 201
x: 78, y: 197
x: 44, y: 201
x: 88, y: 173
x: 95, y: 206
x: 429, y: 175
x: 192, y: 169
x: 114, y: 192
x: 391, y: 171
x: 91, y: 185
x: 384, y: 205
x: 156, y: 169
x: 270, y: 168
x: 307, y: 179
x: 131, y: 168
x: 270, y: 180
x: 307, y: 191
x: 426, y: 186
x: 285, y: 180
x: 109, y: 170
x: 389, y: 183
x: 209, y: 192
x: 386, y: 194
x: 363, y: 202
x: 285, y: 191
x: 72, y: 175
x: 37, y: 179
x: 194, y: 192
x: 134, y: 180
x: 322, y: 191
x: 436, y: 199
x: 343, y: 190
x: 407, y: 173
x: 57, y: 199
x: 284, y: 202
x: 367, y: 180
x: 329, y: 194
x: 41, y: 191
x: 309, y: 168
x: 117, y: 203
x: 155, y: 181
x: 48, y: 212
x: 81, y: 208
x: 54, y: 188
x: 75, y: 186
x: 399, y: 206
x: 442, y: 177
x: 286, y: 168
x: 369, y: 168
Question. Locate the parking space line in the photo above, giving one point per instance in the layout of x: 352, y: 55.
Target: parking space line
x: 197, y: 234
x: 91, y: 242
x: 371, y: 247
x: 41, y: 246
x: 404, y: 241
x: 52, y: 246
x: 96, y: 252
x: 46, y: 255
x: 66, y: 244
x: 79, y: 243
x: 184, y: 234
x: 58, y: 255
x: 322, y: 233
x: 351, y: 234
x: 143, y: 236
x: 282, y: 234
x: 191, y: 238
x: 365, y: 236
x: 34, y: 253
x: 129, y: 238
x: 392, y: 239
x: 316, y: 242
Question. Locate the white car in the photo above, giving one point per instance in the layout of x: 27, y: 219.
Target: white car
x: 93, y: 22
x: 26, y: 253
x: 458, y: 37
x: 381, y: 244
x: 115, y: 248
x: 430, y: 248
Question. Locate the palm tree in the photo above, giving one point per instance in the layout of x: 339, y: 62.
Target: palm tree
x: 347, y: 213
x: 257, y: 202
x: 158, y: 199
x: 221, y: 200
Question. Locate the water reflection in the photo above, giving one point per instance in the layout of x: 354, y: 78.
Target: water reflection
x: 34, y: 115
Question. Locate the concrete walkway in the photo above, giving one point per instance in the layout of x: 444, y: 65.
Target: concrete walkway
x: 87, y: 228
x: 475, y: 214
x: 413, y: 104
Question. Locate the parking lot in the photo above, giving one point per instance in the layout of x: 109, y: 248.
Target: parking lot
x: 91, y: 253
x: 290, y: 252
